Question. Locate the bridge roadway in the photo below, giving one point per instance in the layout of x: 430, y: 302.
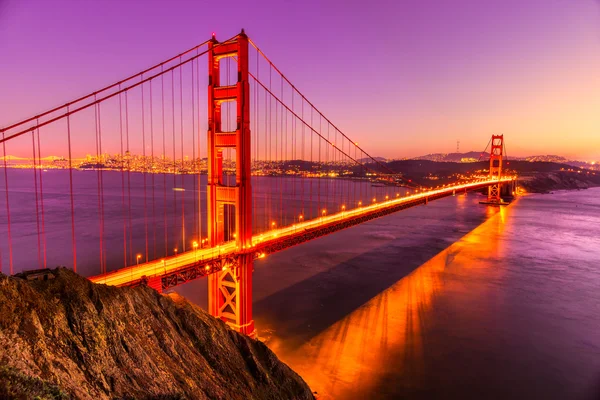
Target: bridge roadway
x: 171, y: 271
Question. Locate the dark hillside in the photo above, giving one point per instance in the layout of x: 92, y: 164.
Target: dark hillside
x: 69, y: 338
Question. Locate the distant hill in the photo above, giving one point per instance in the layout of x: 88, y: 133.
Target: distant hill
x: 432, y: 173
x: 16, y: 158
x: 470, y: 156
x: 552, y: 158
x: 425, y: 167
x: 12, y: 158
x: 474, y: 156
x: 367, y: 160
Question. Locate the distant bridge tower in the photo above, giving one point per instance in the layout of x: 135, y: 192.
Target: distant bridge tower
x: 494, y: 191
x: 230, y: 290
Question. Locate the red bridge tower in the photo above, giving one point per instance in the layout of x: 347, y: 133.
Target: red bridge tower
x: 494, y: 191
x: 230, y: 290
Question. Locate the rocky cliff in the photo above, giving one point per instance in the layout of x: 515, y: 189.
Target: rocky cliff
x: 66, y: 337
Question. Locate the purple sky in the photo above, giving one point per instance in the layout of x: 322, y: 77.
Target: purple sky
x: 403, y: 78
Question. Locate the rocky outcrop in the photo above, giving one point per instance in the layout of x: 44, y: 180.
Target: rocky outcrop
x: 69, y: 338
x: 560, y: 180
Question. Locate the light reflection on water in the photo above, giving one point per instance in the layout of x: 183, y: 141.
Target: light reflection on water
x: 509, y: 310
x: 346, y: 360
x: 451, y: 300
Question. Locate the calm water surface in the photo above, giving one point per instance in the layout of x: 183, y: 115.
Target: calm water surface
x: 450, y: 300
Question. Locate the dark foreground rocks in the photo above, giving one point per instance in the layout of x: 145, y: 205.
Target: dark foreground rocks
x: 67, y: 338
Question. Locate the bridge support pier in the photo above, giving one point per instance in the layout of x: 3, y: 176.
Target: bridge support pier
x: 507, y: 190
x: 230, y: 295
x: 230, y: 290
x: 155, y: 283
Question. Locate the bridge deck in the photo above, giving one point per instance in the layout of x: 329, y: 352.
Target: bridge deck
x: 193, y: 264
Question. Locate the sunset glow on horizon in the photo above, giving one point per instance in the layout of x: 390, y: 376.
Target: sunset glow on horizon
x: 402, y: 78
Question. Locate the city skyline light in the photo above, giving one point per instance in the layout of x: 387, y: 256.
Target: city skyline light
x: 419, y: 75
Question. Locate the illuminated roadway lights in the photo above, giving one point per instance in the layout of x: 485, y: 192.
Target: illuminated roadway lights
x: 137, y: 259
x: 226, y: 249
x: 195, y: 246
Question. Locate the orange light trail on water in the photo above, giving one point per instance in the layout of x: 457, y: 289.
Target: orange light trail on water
x: 352, y: 357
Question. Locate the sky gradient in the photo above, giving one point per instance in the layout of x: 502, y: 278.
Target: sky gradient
x: 403, y: 78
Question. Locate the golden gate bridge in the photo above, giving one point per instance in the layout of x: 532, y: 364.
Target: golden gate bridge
x: 258, y: 123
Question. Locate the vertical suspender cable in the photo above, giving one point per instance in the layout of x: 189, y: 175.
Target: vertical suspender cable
x: 199, y: 158
x: 302, y: 156
x: 253, y: 135
x: 42, y: 201
x: 286, y: 155
x: 102, y: 245
x: 257, y: 184
x: 145, y: 170
x: 348, y: 180
x: 253, y: 151
x: 123, y: 181
x: 229, y: 209
x: 37, y: 209
x: 195, y: 218
x: 128, y: 177
x: 320, y: 166
x: 265, y: 186
x: 354, y: 179
x: 281, y: 177
x: 164, y: 164
x: 154, y: 221
x: 277, y: 180
x: 182, y: 158
x: 270, y: 206
x: 71, y: 193
x: 10, y: 248
x: 174, y: 155
x: 311, y: 165
x: 98, y: 183
x: 296, y: 214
